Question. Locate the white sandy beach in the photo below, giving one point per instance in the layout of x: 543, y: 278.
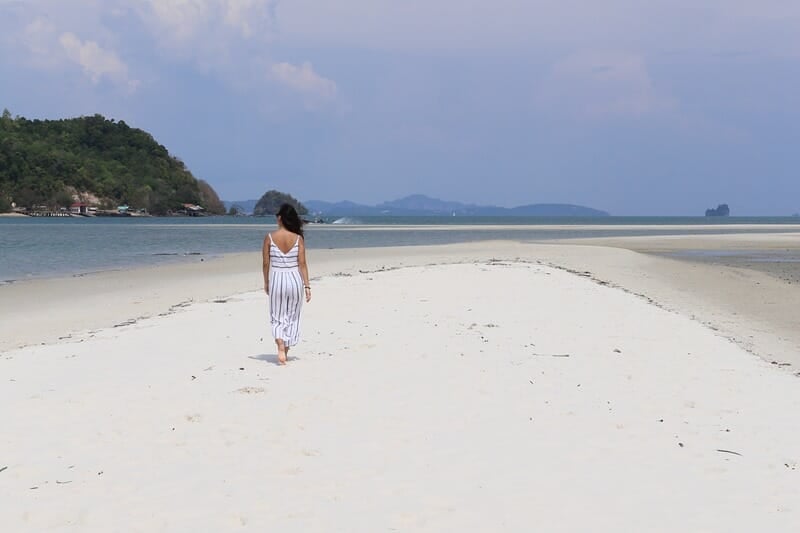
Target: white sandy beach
x: 475, y: 387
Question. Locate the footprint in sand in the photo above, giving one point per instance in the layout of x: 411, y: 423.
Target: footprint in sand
x: 250, y: 390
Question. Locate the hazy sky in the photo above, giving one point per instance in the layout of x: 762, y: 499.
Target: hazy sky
x: 632, y: 106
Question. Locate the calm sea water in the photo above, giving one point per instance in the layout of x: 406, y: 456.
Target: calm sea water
x: 40, y: 247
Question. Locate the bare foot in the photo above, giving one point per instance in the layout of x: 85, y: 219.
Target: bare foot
x: 281, y: 353
x: 286, y: 349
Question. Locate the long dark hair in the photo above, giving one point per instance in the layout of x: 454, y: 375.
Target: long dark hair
x: 290, y: 219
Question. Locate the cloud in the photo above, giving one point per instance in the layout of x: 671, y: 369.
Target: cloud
x: 249, y: 16
x: 176, y: 20
x: 480, y: 25
x: 40, y: 45
x: 183, y: 24
x: 97, y: 63
x: 602, y: 84
x: 229, y: 40
x: 304, y: 80
x: 36, y: 41
x: 452, y: 25
x: 235, y: 41
x: 224, y: 38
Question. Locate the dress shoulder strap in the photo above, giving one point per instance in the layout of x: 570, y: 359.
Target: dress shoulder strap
x: 270, y: 238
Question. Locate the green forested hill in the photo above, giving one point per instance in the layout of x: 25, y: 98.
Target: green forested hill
x: 271, y: 202
x: 48, y: 162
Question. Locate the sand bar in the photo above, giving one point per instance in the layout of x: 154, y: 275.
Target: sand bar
x: 706, y: 228
x: 484, y: 395
x: 755, y: 309
x: 741, y: 242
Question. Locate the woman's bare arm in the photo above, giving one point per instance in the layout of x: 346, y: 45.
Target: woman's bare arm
x: 265, y: 263
x: 301, y: 262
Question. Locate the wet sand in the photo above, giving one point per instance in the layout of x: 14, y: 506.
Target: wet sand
x: 777, y: 254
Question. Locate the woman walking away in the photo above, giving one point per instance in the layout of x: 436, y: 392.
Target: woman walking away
x: 286, y: 279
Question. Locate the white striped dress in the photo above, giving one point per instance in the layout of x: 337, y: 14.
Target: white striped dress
x: 285, y: 293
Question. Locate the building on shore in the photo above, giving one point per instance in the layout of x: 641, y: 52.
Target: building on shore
x: 81, y: 208
x: 191, y: 210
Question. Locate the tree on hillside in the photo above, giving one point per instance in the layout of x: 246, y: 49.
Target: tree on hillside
x: 271, y: 202
x: 209, y: 199
x: 46, y: 162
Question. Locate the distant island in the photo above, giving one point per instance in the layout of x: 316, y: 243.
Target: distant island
x: 271, y: 202
x: 420, y: 205
x: 91, y: 165
x: 722, y: 210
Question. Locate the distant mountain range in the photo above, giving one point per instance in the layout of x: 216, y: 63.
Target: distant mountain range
x: 420, y: 205
x: 245, y: 206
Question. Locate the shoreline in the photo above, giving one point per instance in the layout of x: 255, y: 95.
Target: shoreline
x: 775, y: 254
x: 752, y: 308
x: 239, y: 239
